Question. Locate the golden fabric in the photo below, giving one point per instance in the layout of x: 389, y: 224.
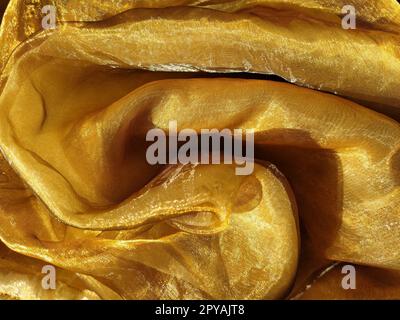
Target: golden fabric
x: 77, y: 192
x: 372, y: 283
x: 336, y: 60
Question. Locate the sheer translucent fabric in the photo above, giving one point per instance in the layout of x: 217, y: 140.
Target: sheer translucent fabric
x: 76, y: 189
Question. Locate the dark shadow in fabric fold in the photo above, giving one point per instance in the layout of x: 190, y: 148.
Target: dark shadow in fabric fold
x: 315, y: 175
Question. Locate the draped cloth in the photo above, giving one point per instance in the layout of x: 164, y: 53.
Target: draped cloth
x: 76, y: 189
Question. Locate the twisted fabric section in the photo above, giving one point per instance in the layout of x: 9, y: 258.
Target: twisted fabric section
x: 78, y: 192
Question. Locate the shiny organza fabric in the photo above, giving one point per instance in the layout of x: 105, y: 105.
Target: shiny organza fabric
x: 77, y: 192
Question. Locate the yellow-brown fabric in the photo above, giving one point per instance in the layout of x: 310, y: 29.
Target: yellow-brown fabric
x: 77, y: 192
